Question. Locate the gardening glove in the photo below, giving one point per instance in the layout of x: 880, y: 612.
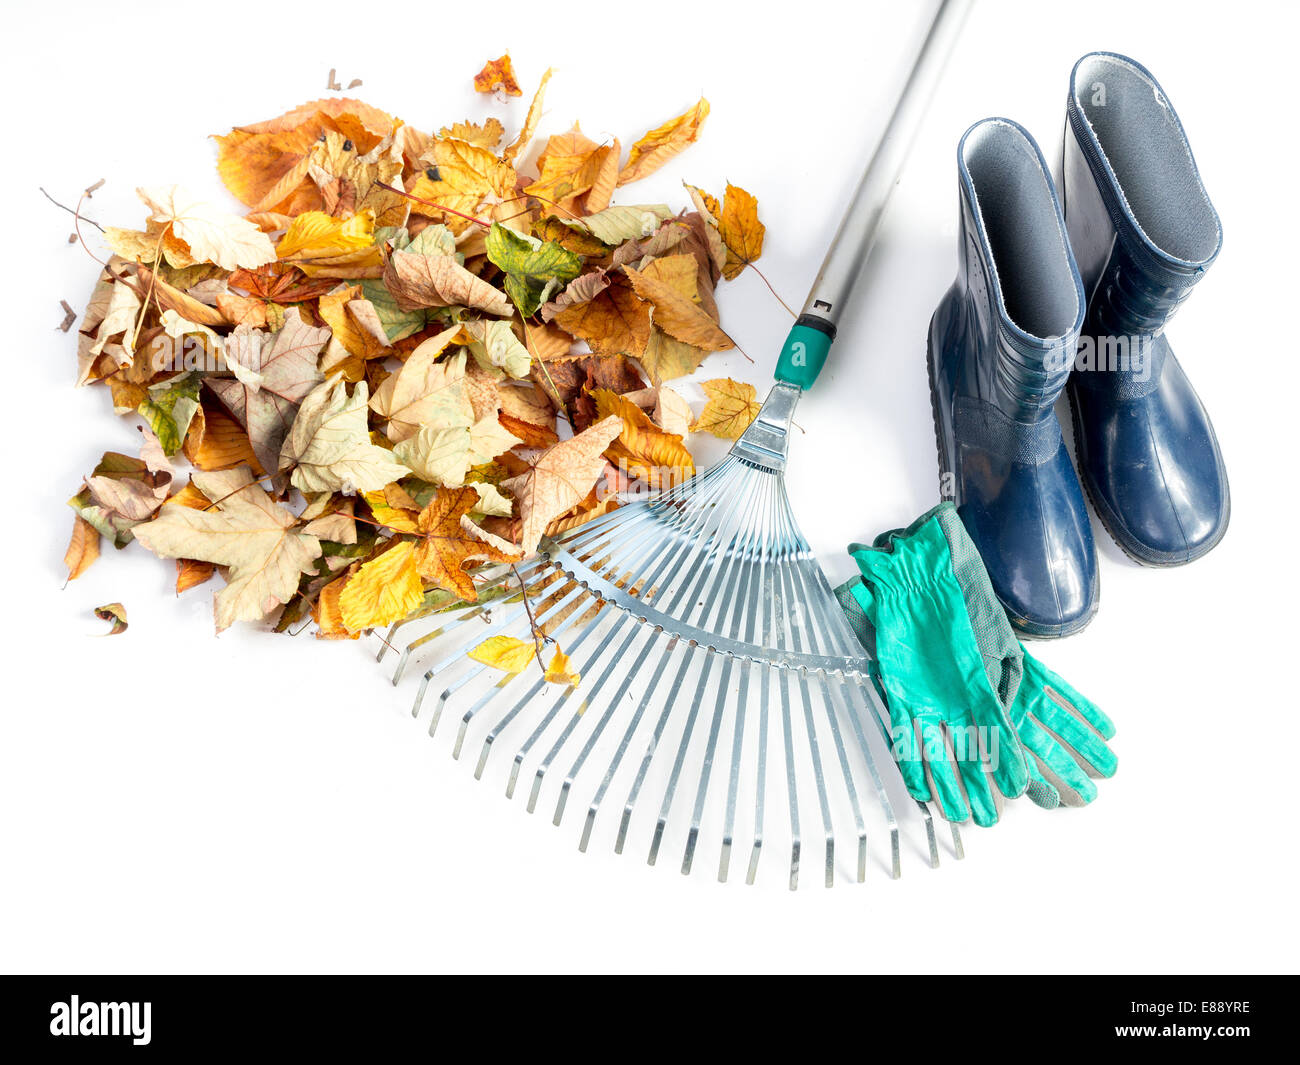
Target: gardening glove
x: 951, y: 730
x: 1062, y: 733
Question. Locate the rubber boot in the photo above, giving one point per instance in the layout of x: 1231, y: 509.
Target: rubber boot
x: 1144, y: 232
x: 1001, y: 347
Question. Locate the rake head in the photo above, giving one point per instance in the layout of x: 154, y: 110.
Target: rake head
x: 699, y: 620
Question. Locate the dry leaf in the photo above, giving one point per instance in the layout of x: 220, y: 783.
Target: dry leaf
x: 731, y: 407
x: 643, y: 449
x: 440, y: 281
x: 383, y: 590
x: 246, y: 531
x: 659, y: 145
x: 114, y: 612
x: 498, y: 75
x: 505, y: 653
x: 83, y: 548
x: 445, y: 547
x: 560, y: 672
x: 560, y: 479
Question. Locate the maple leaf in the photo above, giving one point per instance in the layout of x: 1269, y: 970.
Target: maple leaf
x: 285, y: 363
x: 614, y: 322
x: 248, y: 532
x: 498, y: 75
x: 440, y: 281
x: 425, y: 392
x: 83, y: 548
x: 643, y: 449
x: 329, y: 446
x: 506, y: 653
x: 532, y: 267
x: 461, y: 177
x: 561, y: 478
x: 445, y: 545
x: 383, y: 590
x: 444, y: 455
x: 662, y: 143
x: 731, y: 407
x: 211, y: 235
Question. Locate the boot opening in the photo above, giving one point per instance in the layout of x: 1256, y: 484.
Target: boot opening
x: 1142, y: 140
x: 1023, y: 227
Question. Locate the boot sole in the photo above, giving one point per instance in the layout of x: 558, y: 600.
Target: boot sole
x: 1133, y: 550
x: 1028, y: 629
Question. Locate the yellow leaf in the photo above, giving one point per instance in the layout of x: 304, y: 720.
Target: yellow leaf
x: 505, y: 652
x: 498, y: 75
x: 530, y: 123
x: 447, y: 545
x: 315, y: 235
x: 661, y: 144
x: 325, y: 611
x: 677, y: 314
x: 558, y: 672
x: 488, y: 135
x: 568, y: 167
x: 385, y: 589
x: 642, y: 448
x: 731, y: 407
x: 741, y: 230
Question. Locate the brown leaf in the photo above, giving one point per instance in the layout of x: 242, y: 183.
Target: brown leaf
x: 615, y: 322
x: 445, y: 547
x: 440, y: 281
x: 83, y: 548
x: 560, y: 478
x: 678, y: 315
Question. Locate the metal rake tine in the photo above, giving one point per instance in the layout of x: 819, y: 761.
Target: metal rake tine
x: 856, y: 725
x: 748, y: 530
x: 764, y: 720
x: 823, y: 631
x: 540, y: 775
x: 615, y: 661
x: 671, y: 790
x: 651, y: 748
x: 594, y: 808
x: 494, y: 629
x: 531, y: 569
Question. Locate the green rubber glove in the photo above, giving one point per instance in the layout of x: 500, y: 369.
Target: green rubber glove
x: 1061, y: 735
x: 950, y: 728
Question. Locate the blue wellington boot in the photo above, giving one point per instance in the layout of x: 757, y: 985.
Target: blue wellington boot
x: 1144, y: 232
x: 1001, y: 346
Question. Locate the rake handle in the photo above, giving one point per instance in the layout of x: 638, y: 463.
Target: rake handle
x: 808, y: 344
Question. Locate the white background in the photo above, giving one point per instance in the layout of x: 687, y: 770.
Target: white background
x: 174, y: 801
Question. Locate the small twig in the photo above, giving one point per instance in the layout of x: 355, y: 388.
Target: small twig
x: 538, y: 638
x: 92, y: 189
x: 770, y: 289
x: 69, y: 317
x: 437, y: 206
x: 77, y: 213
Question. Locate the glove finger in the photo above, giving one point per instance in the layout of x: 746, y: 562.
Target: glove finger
x: 969, y: 754
x: 946, y: 788
x: 908, y: 755
x: 1057, y: 766
x: 1002, y: 753
x: 1040, y: 676
x: 1041, y: 792
x: 1084, y: 745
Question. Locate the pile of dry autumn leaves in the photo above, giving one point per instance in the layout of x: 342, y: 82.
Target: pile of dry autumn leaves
x: 369, y: 370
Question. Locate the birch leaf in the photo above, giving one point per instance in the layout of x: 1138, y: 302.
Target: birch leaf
x: 383, y: 590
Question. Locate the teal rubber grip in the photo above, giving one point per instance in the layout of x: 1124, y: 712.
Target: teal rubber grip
x: 803, y: 356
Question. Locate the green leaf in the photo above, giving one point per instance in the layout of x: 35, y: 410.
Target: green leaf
x: 170, y: 409
x: 530, y: 266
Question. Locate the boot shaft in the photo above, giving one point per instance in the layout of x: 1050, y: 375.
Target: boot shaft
x: 1141, y: 225
x: 1020, y: 294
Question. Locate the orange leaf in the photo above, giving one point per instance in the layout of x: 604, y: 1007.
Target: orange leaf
x: 441, y: 555
x: 661, y: 144
x: 498, y: 74
x: 83, y: 548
